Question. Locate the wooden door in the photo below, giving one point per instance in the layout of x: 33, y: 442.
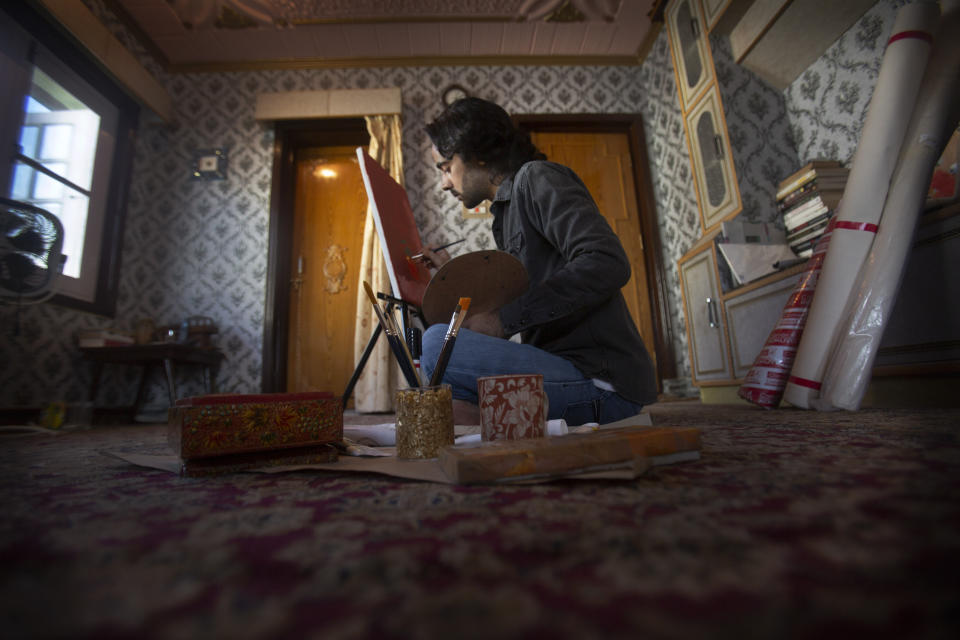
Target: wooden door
x: 603, y: 162
x: 329, y: 208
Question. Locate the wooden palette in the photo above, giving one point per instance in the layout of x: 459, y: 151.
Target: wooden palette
x: 489, y: 278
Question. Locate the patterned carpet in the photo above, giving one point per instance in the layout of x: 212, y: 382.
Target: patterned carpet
x: 792, y: 525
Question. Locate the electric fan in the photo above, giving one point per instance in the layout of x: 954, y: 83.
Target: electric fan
x: 31, y: 240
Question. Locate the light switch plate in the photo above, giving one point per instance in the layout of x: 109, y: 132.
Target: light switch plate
x: 210, y: 164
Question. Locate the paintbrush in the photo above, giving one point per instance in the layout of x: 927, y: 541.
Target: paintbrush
x: 419, y: 256
x: 403, y: 344
x: 415, y: 342
x: 459, y: 313
x: 396, y: 343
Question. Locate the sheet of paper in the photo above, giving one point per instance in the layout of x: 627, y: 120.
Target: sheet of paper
x: 751, y: 261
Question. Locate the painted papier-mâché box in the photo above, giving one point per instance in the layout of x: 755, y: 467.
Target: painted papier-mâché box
x: 205, y: 429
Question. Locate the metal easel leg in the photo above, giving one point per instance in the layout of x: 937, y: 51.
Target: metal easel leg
x: 371, y: 343
x: 405, y: 312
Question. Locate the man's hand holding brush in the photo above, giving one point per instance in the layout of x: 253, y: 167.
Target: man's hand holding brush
x: 435, y: 257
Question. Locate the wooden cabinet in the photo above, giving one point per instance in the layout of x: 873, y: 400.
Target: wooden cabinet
x: 692, y: 61
x: 712, y: 10
x: 708, y: 143
x: 723, y: 15
x: 712, y: 161
x: 751, y: 315
x: 778, y: 39
x: 703, y: 310
x: 922, y: 335
x: 727, y: 329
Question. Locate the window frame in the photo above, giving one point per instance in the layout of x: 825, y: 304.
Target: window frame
x: 41, y: 29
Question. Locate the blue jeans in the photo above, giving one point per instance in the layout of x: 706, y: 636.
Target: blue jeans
x: 572, y: 396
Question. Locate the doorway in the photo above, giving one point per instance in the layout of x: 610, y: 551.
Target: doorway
x: 314, y: 255
x: 329, y: 209
x: 609, y: 155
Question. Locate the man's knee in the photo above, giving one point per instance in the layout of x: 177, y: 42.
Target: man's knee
x: 431, y: 342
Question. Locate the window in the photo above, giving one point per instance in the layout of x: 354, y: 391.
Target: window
x: 71, y: 152
x: 61, y: 140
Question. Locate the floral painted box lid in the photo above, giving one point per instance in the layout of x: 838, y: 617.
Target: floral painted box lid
x: 228, y: 424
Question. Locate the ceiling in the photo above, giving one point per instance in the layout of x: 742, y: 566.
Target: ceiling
x: 207, y: 35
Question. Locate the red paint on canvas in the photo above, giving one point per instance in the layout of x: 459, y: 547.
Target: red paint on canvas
x: 399, y: 236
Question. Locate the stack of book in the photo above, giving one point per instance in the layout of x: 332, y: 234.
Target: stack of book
x: 807, y: 200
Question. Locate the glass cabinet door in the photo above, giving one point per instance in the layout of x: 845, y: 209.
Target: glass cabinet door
x: 712, y: 161
x: 690, y: 49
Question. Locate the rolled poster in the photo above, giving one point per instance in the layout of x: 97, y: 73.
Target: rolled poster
x: 933, y: 121
x: 858, y: 214
x: 767, y: 378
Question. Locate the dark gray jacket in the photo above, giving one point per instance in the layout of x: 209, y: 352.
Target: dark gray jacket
x: 545, y: 216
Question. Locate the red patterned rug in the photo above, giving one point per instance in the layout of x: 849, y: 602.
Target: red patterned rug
x: 792, y: 525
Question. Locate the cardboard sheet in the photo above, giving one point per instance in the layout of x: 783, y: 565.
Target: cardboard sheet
x: 430, y: 470
x: 425, y: 470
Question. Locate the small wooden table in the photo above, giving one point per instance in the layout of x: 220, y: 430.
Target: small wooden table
x: 147, y: 355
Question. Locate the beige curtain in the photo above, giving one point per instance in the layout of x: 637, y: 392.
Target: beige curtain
x: 375, y: 387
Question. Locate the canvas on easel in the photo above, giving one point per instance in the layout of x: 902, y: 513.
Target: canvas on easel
x: 490, y: 278
x: 397, y: 229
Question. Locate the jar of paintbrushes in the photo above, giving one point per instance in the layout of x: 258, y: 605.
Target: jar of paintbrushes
x: 424, y: 421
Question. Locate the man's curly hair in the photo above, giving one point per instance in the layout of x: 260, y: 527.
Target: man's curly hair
x: 481, y: 131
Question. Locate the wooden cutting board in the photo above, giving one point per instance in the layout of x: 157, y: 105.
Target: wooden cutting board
x: 501, y: 460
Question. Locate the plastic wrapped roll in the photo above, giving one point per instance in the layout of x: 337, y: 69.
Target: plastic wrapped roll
x: 936, y: 116
x: 858, y: 214
x: 767, y: 378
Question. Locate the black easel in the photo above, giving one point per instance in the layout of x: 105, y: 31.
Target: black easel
x: 406, y: 310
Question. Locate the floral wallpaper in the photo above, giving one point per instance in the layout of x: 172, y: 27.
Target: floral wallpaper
x: 828, y: 103
x: 200, y: 248
x: 760, y: 135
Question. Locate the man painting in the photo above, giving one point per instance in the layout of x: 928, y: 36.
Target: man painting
x: 575, y: 326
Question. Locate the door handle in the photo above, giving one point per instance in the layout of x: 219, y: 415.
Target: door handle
x: 713, y: 318
x: 298, y: 281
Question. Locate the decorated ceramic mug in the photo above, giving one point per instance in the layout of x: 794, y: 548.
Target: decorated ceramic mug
x: 512, y: 407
